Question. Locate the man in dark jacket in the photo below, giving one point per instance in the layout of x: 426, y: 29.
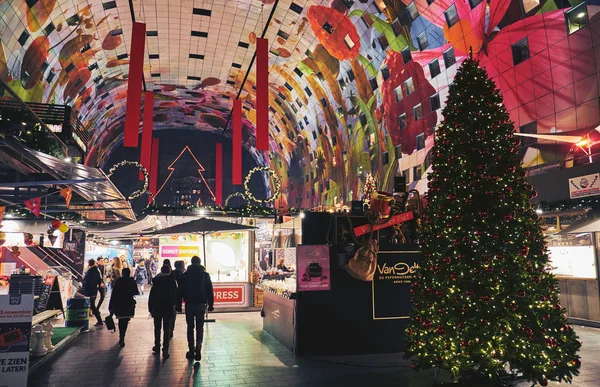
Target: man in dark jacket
x: 92, y: 282
x: 177, y: 273
x: 161, y: 305
x: 197, y: 292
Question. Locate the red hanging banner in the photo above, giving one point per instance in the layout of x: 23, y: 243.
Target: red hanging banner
x: 262, y: 94
x: 134, y: 85
x: 34, y: 205
x: 153, y: 168
x: 236, y: 153
x: 147, y: 132
x: 219, y: 175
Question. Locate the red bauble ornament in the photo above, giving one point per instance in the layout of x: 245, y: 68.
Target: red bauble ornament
x: 521, y: 294
x: 55, y: 224
x: 544, y: 382
x: 546, y: 317
x: 576, y: 363
x: 447, y: 260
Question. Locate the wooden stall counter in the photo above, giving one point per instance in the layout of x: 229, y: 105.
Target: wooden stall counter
x: 280, y: 319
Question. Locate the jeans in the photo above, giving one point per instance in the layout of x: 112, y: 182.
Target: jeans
x: 102, y: 293
x: 173, y: 323
x: 167, y: 324
x: 123, y: 322
x: 94, y: 309
x: 194, y: 316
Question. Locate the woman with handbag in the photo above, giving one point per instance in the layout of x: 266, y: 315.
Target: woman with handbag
x: 122, y: 302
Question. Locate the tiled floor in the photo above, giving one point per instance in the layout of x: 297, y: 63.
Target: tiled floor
x: 238, y: 353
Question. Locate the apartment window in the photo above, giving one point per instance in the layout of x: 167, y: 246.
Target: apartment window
x: 434, y: 100
x: 412, y: 11
x: 406, y: 56
x: 449, y: 58
x: 383, y: 42
x: 373, y: 82
x: 397, y: 27
x: 418, y: 112
x: 398, y: 152
x: 530, y: 128
x: 422, y: 40
x: 577, y: 18
x: 329, y: 28
x: 434, y: 68
x: 398, y: 93
x: 420, y: 142
x: 451, y: 16
x: 417, y: 173
x: 520, y: 51
x: 528, y: 5
x: 342, y: 83
x: 474, y: 3
x: 406, y: 175
x: 385, y: 73
x: 409, y: 86
x: 350, y: 75
x: 308, y: 91
x: 402, y: 122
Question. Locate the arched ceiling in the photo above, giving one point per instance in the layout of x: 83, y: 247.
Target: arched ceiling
x: 352, y: 87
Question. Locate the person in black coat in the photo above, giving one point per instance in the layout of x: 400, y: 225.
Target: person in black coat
x: 161, y: 305
x: 197, y: 292
x: 177, y: 273
x: 92, y: 282
x: 122, y: 302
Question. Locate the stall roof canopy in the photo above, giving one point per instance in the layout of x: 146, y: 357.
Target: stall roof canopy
x: 91, y: 184
x: 591, y: 223
x: 201, y: 226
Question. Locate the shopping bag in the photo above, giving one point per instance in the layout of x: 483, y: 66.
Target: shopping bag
x: 110, y: 323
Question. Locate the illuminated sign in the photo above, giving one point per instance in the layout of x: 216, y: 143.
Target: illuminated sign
x: 179, y: 251
x: 230, y: 295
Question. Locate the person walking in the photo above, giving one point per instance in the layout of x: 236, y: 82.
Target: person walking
x: 122, y: 302
x: 177, y: 273
x: 141, y: 277
x: 101, y: 289
x: 147, y: 263
x: 161, y: 305
x: 153, y: 267
x: 92, y: 281
x: 197, y: 292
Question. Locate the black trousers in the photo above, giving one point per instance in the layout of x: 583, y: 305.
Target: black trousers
x: 194, y: 316
x: 167, y: 324
x: 102, y: 293
x: 94, y: 308
x: 123, y: 323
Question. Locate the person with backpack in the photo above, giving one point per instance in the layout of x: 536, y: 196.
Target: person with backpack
x: 197, y: 292
x: 141, y: 276
x: 161, y: 305
x: 91, y: 284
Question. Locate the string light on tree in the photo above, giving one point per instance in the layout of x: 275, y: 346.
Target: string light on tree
x: 485, y: 300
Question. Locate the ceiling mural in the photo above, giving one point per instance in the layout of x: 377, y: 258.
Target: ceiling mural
x: 356, y: 87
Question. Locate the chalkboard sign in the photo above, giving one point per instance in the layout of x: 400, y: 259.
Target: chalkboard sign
x: 49, y: 296
x: 391, y: 284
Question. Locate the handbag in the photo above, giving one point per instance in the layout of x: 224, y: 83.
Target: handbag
x: 110, y: 323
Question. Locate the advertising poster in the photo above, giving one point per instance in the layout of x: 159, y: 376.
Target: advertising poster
x: 313, y: 268
x: 16, y: 312
x: 582, y: 186
x: 74, y: 248
x: 391, y: 284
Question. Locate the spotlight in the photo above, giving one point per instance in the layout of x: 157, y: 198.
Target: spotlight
x: 580, y: 15
x: 302, y: 215
x: 114, y: 243
x: 68, y: 159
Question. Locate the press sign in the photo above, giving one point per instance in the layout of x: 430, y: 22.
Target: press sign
x: 233, y: 295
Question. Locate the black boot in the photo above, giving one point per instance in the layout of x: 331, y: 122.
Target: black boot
x: 198, y: 353
x: 190, y: 353
x: 122, y: 341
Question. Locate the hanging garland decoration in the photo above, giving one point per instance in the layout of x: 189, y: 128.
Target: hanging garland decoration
x: 139, y: 192
x: 276, y: 183
x: 233, y: 195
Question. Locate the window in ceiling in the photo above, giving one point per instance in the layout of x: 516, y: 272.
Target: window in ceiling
x: 409, y: 86
x: 398, y: 93
x: 451, y: 16
x: 284, y: 35
x: 70, y: 67
x: 23, y: 38
x: 577, y: 18
x: 528, y: 5
x: 196, y: 56
x: 122, y: 56
x: 85, y: 48
x: 109, y: 5
x: 385, y: 73
x: 417, y: 171
x: 49, y: 28
x: 314, y: 135
x: 402, y: 121
x: 363, y: 119
x: 202, y: 12
x: 298, y: 72
x: 530, y: 128
x: 349, y: 42
x: 151, y: 33
x: 367, y: 19
x: 406, y: 55
x: 328, y: 28
x: 434, y: 68
x: 418, y: 112
x: 299, y: 102
x: 373, y: 82
x: 288, y: 86
x: 154, y: 56
x: 422, y: 41
x: 520, y: 51
x: 397, y: 27
x: 383, y: 42
x: 386, y: 158
x: 301, y: 124
x: 449, y: 58
x: 398, y: 151
x: 474, y: 3
x: 50, y: 77
x: 200, y: 34
x: 308, y: 92
x: 342, y: 83
x: 420, y: 142
x: 306, y: 120
x: 93, y: 66
x: 294, y: 108
x: 155, y: 75
x: 296, y: 8
x: 350, y: 75
x: 324, y: 102
x: 236, y: 65
x: 412, y: 11
x: 193, y: 78
x: 45, y: 66
x: 434, y: 100
x: 243, y: 44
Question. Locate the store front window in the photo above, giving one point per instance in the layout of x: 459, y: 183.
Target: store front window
x: 572, y: 256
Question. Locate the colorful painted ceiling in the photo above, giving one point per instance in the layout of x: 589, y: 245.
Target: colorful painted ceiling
x: 356, y: 87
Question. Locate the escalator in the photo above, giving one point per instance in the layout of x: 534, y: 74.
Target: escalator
x: 56, y: 257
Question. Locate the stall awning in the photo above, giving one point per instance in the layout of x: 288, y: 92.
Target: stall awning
x: 201, y: 226
x: 91, y: 184
x: 591, y: 223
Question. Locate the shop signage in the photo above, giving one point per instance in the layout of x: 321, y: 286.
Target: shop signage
x: 313, y: 268
x: 231, y: 295
x: 582, y: 186
x: 391, y: 284
x: 179, y: 251
x: 394, y: 220
x: 15, y: 330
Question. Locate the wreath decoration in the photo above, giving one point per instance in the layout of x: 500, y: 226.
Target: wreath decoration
x: 233, y: 195
x: 276, y: 182
x: 139, y: 192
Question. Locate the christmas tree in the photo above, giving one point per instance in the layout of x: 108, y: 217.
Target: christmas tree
x: 485, y: 301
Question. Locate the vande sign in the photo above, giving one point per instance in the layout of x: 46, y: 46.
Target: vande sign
x: 582, y: 186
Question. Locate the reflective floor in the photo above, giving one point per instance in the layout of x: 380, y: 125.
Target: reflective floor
x: 238, y: 353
